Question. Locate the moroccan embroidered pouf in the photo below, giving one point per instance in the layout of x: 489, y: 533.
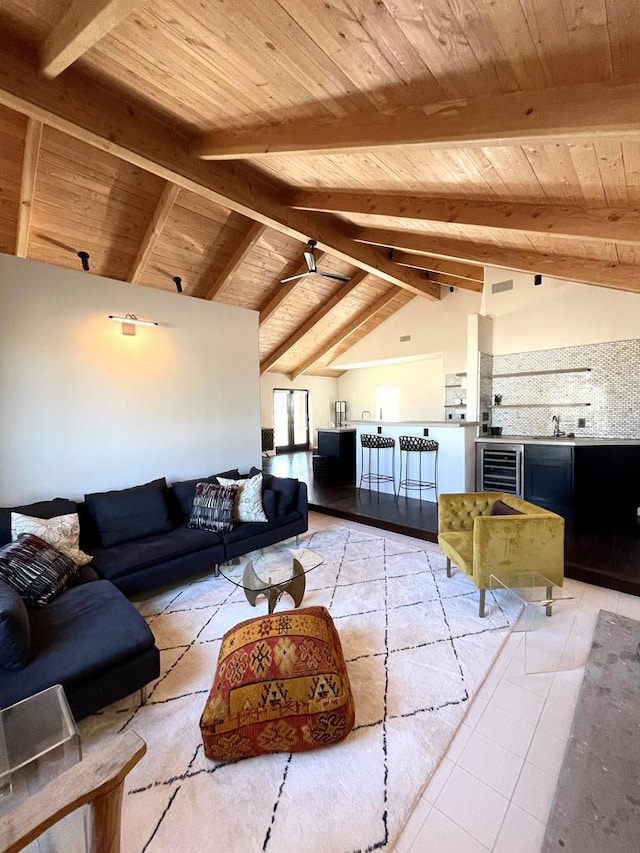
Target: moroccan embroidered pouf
x: 281, y: 685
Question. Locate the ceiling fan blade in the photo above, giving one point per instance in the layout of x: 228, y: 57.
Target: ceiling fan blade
x: 296, y: 277
x: 335, y: 276
x: 311, y: 261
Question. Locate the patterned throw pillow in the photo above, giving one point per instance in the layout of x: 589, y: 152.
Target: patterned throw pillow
x: 281, y: 685
x: 35, y: 569
x: 63, y: 532
x: 213, y: 507
x: 248, y: 503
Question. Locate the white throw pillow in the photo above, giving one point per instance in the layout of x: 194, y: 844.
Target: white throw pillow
x: 248, y: 503
x: 63, y: 532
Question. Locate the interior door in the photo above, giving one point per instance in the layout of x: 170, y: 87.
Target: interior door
x: 290, y: 420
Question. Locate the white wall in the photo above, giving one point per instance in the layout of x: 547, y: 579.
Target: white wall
x: 556, y: 314
x: 84, y: 408
x: 323, y: 392
x: 420, y: 388
x: 434, y: 327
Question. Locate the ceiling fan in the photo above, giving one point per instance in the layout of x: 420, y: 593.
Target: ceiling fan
x: 312, y: 269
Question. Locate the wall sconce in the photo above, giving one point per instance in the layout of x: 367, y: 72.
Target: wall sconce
x: 537, y: 279
x: 130, y: 321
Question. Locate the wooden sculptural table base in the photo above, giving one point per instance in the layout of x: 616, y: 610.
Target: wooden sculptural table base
x: 255, y: 586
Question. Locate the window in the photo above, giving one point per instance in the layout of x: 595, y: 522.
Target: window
x: 387, y: 407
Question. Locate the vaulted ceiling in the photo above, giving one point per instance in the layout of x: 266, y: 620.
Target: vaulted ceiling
x: 415, y: 140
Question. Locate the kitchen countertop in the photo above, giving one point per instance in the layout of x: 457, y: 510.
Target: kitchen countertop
x: 576, y: 441
x: 448, y: 424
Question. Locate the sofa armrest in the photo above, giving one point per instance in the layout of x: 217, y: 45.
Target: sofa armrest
x: 302, y: 502
x: 504, y: 545
x: 457, y: 511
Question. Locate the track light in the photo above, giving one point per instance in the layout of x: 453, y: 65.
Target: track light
x: 537, y: 279
x: 451, y: 289
x: 178, y: 283
x: 84, y: 257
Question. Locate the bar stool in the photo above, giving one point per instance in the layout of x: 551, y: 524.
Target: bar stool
x: 416, y: 444
x: 377, y: 443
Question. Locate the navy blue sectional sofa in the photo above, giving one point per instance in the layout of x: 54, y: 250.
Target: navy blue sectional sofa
x: 90, y: 638
x: 139, y: 537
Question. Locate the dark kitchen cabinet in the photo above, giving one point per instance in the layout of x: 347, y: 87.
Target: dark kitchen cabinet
x: 340, y: 445
x: 598, y: 483
x: 549, y: 477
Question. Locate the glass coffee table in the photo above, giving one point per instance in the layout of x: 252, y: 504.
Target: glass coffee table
x: 271, y: 572
x: 549, y: 643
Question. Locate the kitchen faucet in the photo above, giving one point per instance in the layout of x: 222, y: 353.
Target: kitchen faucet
x: 555, y: 420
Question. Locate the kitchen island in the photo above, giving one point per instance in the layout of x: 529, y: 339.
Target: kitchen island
x: 456, y: 452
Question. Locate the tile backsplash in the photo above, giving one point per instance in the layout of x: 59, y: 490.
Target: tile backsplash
x: 607, y: 395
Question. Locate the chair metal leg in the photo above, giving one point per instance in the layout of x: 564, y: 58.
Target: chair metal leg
x: 448, y: 567
x: 549, y: 607
x: 483, y: 593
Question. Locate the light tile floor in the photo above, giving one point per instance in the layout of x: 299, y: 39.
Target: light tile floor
x: 493, y: 789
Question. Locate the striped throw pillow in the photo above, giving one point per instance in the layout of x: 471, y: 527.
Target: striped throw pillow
x: 35, y: 569
x: 213, y: 507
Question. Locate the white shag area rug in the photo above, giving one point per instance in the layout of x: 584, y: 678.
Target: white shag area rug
x: 416, y: 652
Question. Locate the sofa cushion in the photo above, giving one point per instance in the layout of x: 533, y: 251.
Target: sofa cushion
x: 63, y: 532
x: 247, y: 505
x: 15, y: 636
x: 128, y: 557
x: 181, y: 495
x: 41, y: 509
x: 286, y: 489
x: 125, y: 514
x: 213, y: 507
x: 270, y: 503
x: 246, y: 530
x: 37, y: 570
x: 501, y: 508
x: 81, y: 634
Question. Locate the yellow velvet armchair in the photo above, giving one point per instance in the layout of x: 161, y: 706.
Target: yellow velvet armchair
x: 482, y: 544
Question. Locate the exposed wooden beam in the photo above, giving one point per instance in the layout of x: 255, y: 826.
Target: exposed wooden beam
x: 318, y: 315
x: 154, y: 229
x: 587, y: 270
x: 603, y: 224
x: 283, y: 291
x: 564, y: 113
x: 240, y: 253
x: 421, y: 262
x: 83, y: 24
x: 77, y: 105
x: 32, y: 141
x: 460, y: 283
x: 345, y: 331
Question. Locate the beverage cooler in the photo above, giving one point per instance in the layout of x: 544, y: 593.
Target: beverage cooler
x: 499, y: 468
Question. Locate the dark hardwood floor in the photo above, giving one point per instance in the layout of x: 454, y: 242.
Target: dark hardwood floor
x: 604, y: 553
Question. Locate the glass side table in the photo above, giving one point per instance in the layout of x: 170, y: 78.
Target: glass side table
x: 39, y: 740
x: 547, y: 616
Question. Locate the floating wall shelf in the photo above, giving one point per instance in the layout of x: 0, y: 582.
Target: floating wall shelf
x: 539, y: 405
x: 543, y: 372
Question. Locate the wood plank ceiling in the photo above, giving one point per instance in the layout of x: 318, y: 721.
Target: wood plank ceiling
x: 210, y: 140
